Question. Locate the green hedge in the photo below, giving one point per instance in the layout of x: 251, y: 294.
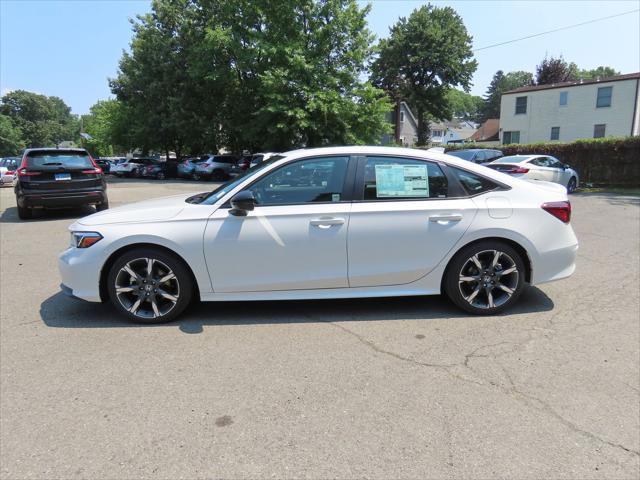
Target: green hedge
x: 598, y: 161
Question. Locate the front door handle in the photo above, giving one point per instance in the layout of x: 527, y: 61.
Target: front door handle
x: 454, y: 217
x: 326, y: 222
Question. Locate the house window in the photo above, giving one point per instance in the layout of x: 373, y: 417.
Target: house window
x: 401, y: 117
x: 437, y: 133
x: 510, y: 137
x: 555, y: 133
x: 599, y: 130
x: 564, y: 98
x: 604, y: 97
x: 521, y: 105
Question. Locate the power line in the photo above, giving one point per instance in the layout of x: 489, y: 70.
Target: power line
x: 556, y: 30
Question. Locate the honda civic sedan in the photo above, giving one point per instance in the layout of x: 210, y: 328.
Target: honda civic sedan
x: 341, y: 222
x: 538, y: 167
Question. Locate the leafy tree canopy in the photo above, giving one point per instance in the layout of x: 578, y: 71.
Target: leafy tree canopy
x: 43, y: 121
x: 251, y: 74
x: 11, y: 142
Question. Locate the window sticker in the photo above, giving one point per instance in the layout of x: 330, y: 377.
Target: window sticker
x: 402, y: 181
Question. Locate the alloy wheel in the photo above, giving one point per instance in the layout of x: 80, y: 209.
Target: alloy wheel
x: 488, y: 279
x: 147, y: 288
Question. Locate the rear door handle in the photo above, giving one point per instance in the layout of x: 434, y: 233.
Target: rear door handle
x: 326, y: 222
x: 454, y: 217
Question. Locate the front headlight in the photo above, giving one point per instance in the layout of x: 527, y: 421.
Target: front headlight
x: 84, y: 239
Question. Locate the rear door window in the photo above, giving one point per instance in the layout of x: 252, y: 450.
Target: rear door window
x: 394, y: 178
x: 473, y: 183
x: 54, y: 160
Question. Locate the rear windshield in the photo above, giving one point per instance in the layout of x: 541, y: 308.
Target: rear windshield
x: 59, y: 159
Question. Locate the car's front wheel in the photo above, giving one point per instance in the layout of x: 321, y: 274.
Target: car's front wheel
x: 485, y: 278
x: 572, y: 185
x: 148, y: 285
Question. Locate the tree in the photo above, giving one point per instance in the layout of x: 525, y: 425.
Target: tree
x: 43, y: 121
x: 10, y: 137
x: 499, y: 84
x: 555, y: 70
x: 464, y: 105
x: 109, y: 127
x: 599, y: 72
x: 251, y: 75
x: 424, y: 57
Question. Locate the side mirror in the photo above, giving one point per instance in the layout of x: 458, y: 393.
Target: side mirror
x: 242, y: 203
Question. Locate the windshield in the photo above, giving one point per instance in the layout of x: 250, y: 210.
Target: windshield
x: 225, y: 188
x: 463, y: 154
x: 511, y: 159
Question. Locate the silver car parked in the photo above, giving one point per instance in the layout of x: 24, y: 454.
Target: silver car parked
x: 538, y: 167
x: 215, y: 167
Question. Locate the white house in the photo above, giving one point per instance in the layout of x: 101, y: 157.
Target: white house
x: 452, y: 132
x: 571, y: 110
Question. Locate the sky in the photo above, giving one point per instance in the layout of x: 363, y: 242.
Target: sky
x: 69, y: 48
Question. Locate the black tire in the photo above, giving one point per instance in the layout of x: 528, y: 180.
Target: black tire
x: 196, y: 177
x: 102, y: 206
x: 176, y: 265
x: 473, y: 302
x: 571, y: 186
x: 25, y: 213
x: 218, y: 175
x: 160, y: 176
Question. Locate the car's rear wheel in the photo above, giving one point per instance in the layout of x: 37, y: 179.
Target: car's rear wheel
x: 148, y: 285
x: 485, y: 278
x: 572, y: 185
x: 196, y: 177
x: 160, y: 176
x: 218, y: 175
x: 24, y: 213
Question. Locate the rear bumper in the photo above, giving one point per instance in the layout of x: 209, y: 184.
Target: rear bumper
x: 6, y: 179
x: 61, y: 199
x: 555, y: 265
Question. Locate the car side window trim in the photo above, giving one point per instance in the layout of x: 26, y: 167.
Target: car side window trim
x: 347, y: 187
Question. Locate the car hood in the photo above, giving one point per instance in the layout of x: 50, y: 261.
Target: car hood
x: 152, y: 210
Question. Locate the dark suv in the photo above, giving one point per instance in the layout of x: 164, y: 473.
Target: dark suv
x: 59, y: 178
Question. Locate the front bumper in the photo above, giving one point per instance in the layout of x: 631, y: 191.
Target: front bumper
x: 80, y: 272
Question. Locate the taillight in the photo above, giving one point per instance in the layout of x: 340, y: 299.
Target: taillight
x: 23, y: 172
x: 518, y: 170
x: 96, y: 171
x: 10, y: 172
x: 560, y: 210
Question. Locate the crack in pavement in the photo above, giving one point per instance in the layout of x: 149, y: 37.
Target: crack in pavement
x: 513, y: 391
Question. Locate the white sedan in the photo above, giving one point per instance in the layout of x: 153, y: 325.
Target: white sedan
x: 341, y: 222
x: 538, y: 167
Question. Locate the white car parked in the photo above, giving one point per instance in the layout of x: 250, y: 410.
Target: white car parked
x: 538, y: 167
x: 339, y: 222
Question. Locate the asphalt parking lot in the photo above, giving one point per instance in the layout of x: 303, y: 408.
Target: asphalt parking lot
x: 385, y: 388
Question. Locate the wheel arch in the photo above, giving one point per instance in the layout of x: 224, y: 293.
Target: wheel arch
x: 526, y: 258
x: 104, y: 272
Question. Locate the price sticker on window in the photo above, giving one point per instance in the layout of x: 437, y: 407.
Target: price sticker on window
x: 402, y: 181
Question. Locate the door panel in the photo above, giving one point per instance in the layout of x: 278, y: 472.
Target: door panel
x: 393, y: 243
x: 405, y: 224
x: 278, y: 248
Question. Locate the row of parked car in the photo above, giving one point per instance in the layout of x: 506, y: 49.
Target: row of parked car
x: 202, y: 167
x: 531, y: 167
